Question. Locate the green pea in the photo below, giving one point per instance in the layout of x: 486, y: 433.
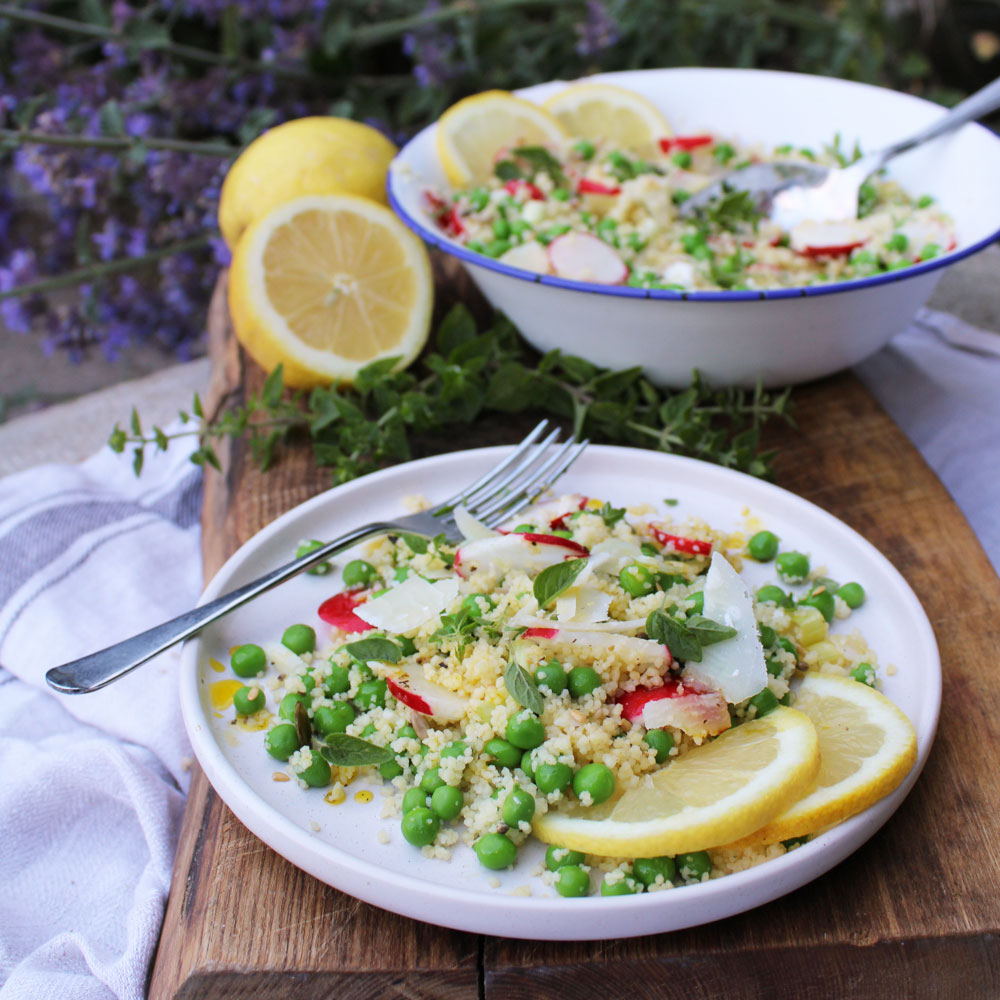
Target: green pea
x: 525, y: 730
x: 553, y: 777
x: 557, y: 857
x: 561, y: 194
x: 768, y: 637
x: 320, y: 569
x: 763, y: 546
x: 792, y: 567
x: 338, y: 680
x: 358, y: 573
x: 432, y: 780
x: 924, y: 201
x: 371, y: 694
x: 788, y: 646
x: 503, y: 753
x: 697, y: 600
x: 390, y: 769
x: 764, y: 701
x: 583, y: 680
x: 519, y: 227
x: 497, y: 248
x: 624, y: 887
x: 897, y: 243
x: 420, y: 826
x: 287, y: 707
x: 369, y: 730
x: 774, y: 595
x: 647, y: 870
x: 723, y: 152
x: 523, y: 529
x: 596, y: 779
x: 930, y: 251
x: 475, y: 246
x: 299, y: 639
x: 518, y: 807
x: 561, y: 533
x: 572, y: 881
x: 406, y: 732
x: 495, y: 851
x: 661, y: 741
x: 478, y: 199
x: 635, y: 242
x: 637, y: 580
x: 526, y: 764
x: 822, y: 601
x: 447, y: 801
x: 775, y: 667
x: 335, y: 718
x: 247, y: 705
x: 415, y: 798
x: 584, y: 149
x: 546, y: 236
x: 552, y: 676
x: 864, y: 673
x: 317, y: 774
x: 852, y: 594
x: 248, y: 660
x: 649, y: 549
x: 680, y: 196
x: 501, y: 228
x: 681, y: 159
x: 282, y: 741
x: 475, y: 603
x: 454, y: 749
x: 308, y: 680
x: 694, y: 866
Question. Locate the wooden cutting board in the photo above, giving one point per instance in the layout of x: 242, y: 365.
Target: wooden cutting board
x: 914, y: 913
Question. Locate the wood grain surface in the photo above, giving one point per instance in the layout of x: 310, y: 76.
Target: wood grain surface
x: 915, y: 913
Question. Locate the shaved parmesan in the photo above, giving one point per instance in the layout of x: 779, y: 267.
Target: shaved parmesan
x: 409, y: 605
x: 734, y: 666
x: 470, y: 527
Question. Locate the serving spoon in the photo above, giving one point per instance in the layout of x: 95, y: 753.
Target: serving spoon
x: 790, y: 193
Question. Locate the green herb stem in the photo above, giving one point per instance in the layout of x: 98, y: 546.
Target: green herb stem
x: 24, y: 137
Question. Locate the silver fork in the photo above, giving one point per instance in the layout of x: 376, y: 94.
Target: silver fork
x: 502, y: 492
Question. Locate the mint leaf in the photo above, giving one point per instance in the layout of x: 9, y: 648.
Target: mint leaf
x: 342, y: 750
x: 708, y: 632
x: 680, y: 640
x: 555, y: 580
x: 611, y: 515
x: 381, y: 650
x: 517, y: 680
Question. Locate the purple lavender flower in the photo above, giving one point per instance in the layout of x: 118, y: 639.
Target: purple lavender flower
x: 597, y: 31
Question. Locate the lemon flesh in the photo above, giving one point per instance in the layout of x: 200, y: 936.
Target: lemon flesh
x: 867, y: 746
x: 737, y: 782
x: 314, y: 155
x: 471, y: 133
x: 327, y: 284
x: 603, y: 110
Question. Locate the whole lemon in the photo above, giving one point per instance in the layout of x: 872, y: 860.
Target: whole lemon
x: 306, y: 156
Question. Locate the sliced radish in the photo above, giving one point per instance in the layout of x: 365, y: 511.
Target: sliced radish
x: 528, y: 552
x: 828, y: 239
x: 409, y: 605
x: 588, y: 645
x: 338, y: 611
x: 470, y: 527
x: 689, y: 707
x: 678, y: 543
x: 414, y: 690
x: 532, y: 622
x: 734, y: 666
x: 528, y: 257
x: 582, y: 257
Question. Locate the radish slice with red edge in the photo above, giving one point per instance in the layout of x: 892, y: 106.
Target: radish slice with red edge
x: 528, y: 552
x: 828, y: 239
x: 338, y: 611
x: 413, y: 689
x: 582, y: 257
x: 689, y: 707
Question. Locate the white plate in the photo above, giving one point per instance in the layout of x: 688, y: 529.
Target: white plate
x: 345, y: 851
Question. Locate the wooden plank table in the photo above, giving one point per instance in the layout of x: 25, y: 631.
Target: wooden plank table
x: 914, y: 913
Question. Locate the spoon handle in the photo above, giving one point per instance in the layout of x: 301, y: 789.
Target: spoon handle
x: 976, y: 105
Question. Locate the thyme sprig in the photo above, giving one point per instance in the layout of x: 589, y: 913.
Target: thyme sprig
x: 472, y: 377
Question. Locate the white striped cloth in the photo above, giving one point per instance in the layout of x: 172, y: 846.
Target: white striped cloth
x: 92, y: 786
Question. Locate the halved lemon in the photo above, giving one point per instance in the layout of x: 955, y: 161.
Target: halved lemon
x: 604, y: 111
x: 736, y: 782
x: 327, y: 284
x: 471, y: 133
x: 867, y: 746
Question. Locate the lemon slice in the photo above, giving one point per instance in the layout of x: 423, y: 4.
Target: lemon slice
x: 736, y: 782
x: 327, y: 284
x: 603, y: 111
x: 314, y: 155
x: 471, y: 132
x: 867, y: 747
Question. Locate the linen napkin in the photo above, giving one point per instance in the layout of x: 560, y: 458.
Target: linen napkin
x: 92, y: 786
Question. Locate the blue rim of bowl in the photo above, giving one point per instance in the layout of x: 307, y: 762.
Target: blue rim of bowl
x: 436, y: 239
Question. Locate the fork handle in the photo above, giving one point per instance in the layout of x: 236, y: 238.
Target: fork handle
x: 92, y: 672
x: 981, y: 103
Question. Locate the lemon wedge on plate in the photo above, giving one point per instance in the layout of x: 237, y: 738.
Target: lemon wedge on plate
x: 315, y: 155
x: 471, y: 132
x: 867, y: 746
x: 737, y: 782
x: 602, y: 110
x: 327, y: 284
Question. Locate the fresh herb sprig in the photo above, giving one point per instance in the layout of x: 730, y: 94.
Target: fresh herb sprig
x: 473, y: 377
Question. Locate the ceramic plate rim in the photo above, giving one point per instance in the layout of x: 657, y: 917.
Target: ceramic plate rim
x: 545, y: 918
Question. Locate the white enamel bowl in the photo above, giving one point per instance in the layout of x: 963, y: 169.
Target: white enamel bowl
x: 782, y: 336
